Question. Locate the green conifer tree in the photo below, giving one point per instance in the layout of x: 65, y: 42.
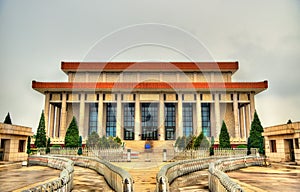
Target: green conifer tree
x: 224, y: 139
x: 201, y: 141
x: 248, y: 146
x: 28, y: 145
x: 72, y: 134
x: 79, y: 152
x: 211, y: 149
x: 198, y: 140
x: 48, y: 145
x: 256, y: 138
x: 41, y: 140
x: 7, y: 119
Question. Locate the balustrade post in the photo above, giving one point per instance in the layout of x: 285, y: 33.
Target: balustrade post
x: 164, y: 155
x: 128, y: 155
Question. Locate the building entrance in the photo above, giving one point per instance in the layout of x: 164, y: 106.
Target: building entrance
x: 290, y: 144
x: 170, y: 121
x: 149, y: 121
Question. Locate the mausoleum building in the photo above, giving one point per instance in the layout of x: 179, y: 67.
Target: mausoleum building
x: 149, y: 100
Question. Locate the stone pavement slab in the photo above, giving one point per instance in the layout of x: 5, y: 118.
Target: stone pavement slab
x: 18, y: 179
x: 263, y: 179
x: 89, y: 180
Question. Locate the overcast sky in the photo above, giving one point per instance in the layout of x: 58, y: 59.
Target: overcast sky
x: 264, y: 36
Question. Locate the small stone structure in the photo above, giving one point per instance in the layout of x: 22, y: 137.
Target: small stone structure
x: 282, y: 142
x: 13, y: 142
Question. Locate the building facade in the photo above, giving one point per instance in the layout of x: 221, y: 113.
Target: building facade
x: 282, y: 142
x: 149, y: 100
x: 13, y: 142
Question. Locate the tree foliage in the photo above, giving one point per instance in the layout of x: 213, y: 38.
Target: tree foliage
x: 248, y: 146
x: 211, y: 148
x: 185, y: 142
x: 41, y: 140
x: 48, y: 145
x: 108, y: 142
x: 201, y: 141
x: 7, y: 119
x: 72, y: 134
x: 190, y: 142
x: 28, y: 151
x: 224, y: 139
x: 79, y: 152
x: 180, y: 142
x: 93, y: 140
x: 256, y: 138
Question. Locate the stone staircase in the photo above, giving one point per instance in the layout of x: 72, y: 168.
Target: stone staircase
x: 156, y: 145
x: 154, y: 154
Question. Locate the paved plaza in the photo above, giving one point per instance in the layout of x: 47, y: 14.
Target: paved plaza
x: 16, y: 179
x: 260, y: 179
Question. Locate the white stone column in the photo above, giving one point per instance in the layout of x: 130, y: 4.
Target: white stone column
x: 51, y: 125
x: 252, y: 106
x: 179, y: 130
x: 198, y: 114
x: 247, y: 118
x: 81, y: 115
x: 217, y: 115
x: 46, y: 112
x: 137, y: 116
x: 119, y: 117
x: 161, y: 117
x: 242, y: 122
x: 101, y: 130
x: 236, y: 116
x: 63, y: 120
x: 57, y: 123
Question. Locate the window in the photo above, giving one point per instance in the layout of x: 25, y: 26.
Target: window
x: 111, y: 119
x: 170, y: 121
x: 296, y: 143
x: 128, y: 119
x: 21, y: 145
x: 93, y: 118
x: 149, y: 121
x: 205, y: 112
x: 273, y: 146
x: 187, y: 116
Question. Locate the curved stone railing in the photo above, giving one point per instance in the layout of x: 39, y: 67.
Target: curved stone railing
x: 219, y: 181
x: 117, y: 178
x: 170, y: 172
x: 65, y: 180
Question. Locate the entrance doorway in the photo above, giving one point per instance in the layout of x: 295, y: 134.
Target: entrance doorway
x: 289, y: 145
x: 149, y: 121
x: 3, y: 143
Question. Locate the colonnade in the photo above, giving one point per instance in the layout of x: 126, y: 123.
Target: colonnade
x: 56, y: 114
